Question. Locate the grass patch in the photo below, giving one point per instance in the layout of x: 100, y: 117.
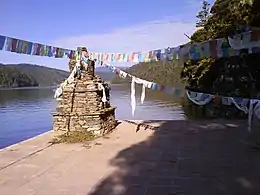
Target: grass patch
x: 73, y: 137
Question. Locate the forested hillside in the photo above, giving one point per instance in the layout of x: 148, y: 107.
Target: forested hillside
x: 26, y: 75
x: 166, y: 73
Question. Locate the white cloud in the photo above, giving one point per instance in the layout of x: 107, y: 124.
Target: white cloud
x: 142, y: 37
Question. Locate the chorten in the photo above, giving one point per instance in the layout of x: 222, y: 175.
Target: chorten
x: 84, y: 104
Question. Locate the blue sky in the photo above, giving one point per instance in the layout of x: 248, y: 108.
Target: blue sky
x: 102, y: 26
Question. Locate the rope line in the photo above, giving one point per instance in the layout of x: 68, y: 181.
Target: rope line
x: 216, y: 48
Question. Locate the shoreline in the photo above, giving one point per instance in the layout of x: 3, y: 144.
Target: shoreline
x: 33, y: 128
x: 167, y: 158
x: 153, y: 124
x: 26, y: 140
x: 30, y: 87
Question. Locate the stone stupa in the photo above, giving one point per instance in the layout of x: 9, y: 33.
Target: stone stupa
x: 85, y: 105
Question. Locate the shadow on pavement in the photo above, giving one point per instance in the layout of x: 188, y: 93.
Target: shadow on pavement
x: 187, y: 157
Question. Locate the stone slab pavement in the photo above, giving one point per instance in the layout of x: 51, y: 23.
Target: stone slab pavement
x: 176, y: 157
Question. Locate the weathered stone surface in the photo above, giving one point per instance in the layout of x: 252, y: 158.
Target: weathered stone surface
x: 81, y: 108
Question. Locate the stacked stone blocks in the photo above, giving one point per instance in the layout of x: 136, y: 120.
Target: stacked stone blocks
x: 80, y: 108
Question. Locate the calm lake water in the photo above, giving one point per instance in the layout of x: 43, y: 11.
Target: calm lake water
x: 25, y: 113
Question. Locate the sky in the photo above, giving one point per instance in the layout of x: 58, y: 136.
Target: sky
x: 101, y: 26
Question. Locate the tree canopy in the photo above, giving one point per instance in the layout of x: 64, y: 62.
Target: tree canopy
x: 226, y: 17
x: 28, y: 75
x: 230, y: 76
x: 234, y: 76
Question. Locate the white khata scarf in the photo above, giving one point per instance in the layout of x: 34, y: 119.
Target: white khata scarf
x: 144, y: 85
x: 68, y: 81
x: 101, y: 87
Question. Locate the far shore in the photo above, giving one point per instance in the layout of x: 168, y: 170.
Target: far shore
x: 31, y: 87
x: 43, y: 87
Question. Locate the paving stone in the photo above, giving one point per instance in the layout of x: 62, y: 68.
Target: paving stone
x: 128, y: 165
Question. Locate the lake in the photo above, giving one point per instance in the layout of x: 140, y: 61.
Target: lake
x: 25, y: 113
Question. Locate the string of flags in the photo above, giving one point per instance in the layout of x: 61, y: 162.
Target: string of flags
x: 216, y: 48
x: 197, y: 98
x: 26, y: 47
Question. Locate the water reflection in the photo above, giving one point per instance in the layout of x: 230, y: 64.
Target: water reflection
x: 157, y: 105
x: 25, y: 113
x: 11, y: 96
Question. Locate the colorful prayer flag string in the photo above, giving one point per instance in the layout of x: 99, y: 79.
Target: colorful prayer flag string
x: 25, y: 47
x: 195, y: 97
x: 216, y: 48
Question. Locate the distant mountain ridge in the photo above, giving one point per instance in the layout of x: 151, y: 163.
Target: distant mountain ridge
x: 27, y: 75
x: 105, y: 69
x: 106, y: 74
x: 30, y: 75
x: 165, y: 73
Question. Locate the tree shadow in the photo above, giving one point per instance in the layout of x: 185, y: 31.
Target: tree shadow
x: 187, y: 157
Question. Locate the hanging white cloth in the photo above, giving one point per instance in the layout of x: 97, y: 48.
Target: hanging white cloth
x: 58, y: 92
x: 69, y: 80
x: 133, y: 101
x: 144, y: 84
x: 196, y: 98
x: 141, y: 82
x: 257, y: 109
x: 242, y: 107
x: 253, y: 110
x: 236, y: 42
x: 101, y: 87
x: 243, y: 41
x: 122, y: 74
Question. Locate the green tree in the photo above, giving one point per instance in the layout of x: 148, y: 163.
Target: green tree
x: 203, y: 15
x: 26, y: 75
x: 227, y: 17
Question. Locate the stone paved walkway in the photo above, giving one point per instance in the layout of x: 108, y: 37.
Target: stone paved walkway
x: 179, y: 157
